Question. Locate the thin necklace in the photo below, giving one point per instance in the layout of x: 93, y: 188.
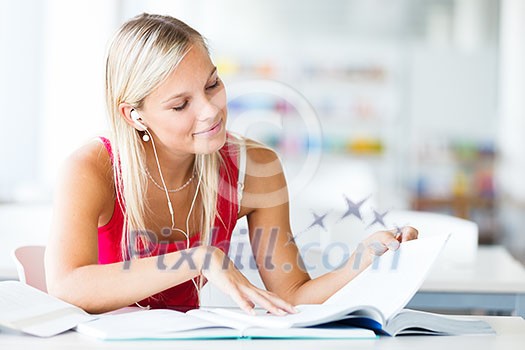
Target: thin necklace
x: 174, y: 190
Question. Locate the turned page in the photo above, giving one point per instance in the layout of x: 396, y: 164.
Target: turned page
x: 393, y: 279
x: 307, y: 315
x: 27, y: 309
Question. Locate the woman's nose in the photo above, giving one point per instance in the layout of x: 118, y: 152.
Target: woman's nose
x: 208, y: 110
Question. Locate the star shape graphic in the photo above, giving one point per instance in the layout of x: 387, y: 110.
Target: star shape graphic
x: 353, y: 208
x: 378, y: 218
x: 318, y: 220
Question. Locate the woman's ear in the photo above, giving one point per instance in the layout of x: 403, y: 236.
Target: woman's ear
x: 131, y: 116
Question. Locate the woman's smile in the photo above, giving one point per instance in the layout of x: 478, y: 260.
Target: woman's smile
x: 211, y: 131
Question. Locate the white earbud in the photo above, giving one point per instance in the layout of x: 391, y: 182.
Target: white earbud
x: 139, y: 125
x: 137, y: 120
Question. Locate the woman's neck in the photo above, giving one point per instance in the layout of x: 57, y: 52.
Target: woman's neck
x: 176, y: 169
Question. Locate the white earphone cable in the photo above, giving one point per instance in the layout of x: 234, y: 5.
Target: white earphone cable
x: 170, y: 206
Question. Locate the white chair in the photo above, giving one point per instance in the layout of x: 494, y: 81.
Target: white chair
x: 462, y: 245
x: 29, y: 262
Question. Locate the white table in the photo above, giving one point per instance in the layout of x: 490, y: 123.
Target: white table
x: 495, y: 282
x: 7, y: 274
x: 510, y: 336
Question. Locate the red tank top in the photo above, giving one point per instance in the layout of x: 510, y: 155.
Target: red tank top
x: 183, y: 296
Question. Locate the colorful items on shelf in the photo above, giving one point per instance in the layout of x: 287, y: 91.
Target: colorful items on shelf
x: 457, y: 169
x: 353, y: 99
x: 461, y: 184
x: 268, y: 68
x: 301, y: 144
x: 472, y: 151
x: 365, y: 146
x: 254, y: 102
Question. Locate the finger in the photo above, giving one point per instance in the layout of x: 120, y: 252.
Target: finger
x: 408, y: 233
x: 377, y: 248
x: 390, y: 239
x: 380, y: 248
x: 263, y: 302
x: 247, y: 306
x: 279, y: 302
x: 244, y: 303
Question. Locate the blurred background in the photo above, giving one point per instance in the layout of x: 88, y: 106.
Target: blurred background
x: 406, y: 104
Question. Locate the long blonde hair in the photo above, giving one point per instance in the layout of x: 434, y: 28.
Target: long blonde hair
x: 142, y: 54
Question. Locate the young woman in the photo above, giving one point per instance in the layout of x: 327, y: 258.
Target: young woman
x: 145, y: 216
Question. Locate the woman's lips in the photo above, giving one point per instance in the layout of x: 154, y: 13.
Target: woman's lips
x: 213, y: 130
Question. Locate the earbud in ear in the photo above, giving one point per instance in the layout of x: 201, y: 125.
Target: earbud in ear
x: 139, y: 125
x: 137, y: 120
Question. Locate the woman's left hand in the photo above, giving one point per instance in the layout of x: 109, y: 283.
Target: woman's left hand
x: 406, y: 233
x: 381, y: 241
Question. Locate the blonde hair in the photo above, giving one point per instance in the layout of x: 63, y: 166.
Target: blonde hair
x: 142, y: 54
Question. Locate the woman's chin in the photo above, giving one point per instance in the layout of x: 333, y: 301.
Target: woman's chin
x: 210, y: 145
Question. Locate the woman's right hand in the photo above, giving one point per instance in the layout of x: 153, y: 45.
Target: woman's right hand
x: 220, y: 270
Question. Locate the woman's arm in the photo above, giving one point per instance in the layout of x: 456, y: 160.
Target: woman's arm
x: 72, y: 270
x: 265, y: 202
x: 84, y: 194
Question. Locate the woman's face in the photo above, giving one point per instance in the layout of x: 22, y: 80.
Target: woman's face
x: 187, y: 112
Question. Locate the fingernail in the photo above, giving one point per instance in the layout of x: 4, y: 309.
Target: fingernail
x: 252, y: 312
x: 295, y: 310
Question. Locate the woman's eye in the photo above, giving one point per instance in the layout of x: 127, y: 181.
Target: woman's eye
x: 214, y: 85
x: 181, y: 107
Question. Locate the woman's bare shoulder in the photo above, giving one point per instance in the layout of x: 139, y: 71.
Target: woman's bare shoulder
x: 262, y: 161
x: 265, y: 183
x: 85, y: 189
x: 259, y: 152
x: 91, y: 156
x: 90, y: 164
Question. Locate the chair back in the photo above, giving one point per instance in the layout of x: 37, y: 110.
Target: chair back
x: 29, y: 262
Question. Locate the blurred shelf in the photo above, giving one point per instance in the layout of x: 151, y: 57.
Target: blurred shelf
x: 481, y: 210
x: 460, y: 205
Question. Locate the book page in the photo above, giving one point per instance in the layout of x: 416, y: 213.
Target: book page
x: 393, y: 279
x: 420, y: 322
x: 32, y: 311
x: 308, y: 315
x: 150, y: 324
x: 218, y: 318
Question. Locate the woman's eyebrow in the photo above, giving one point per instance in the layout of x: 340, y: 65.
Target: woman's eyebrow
x: 185, y: 93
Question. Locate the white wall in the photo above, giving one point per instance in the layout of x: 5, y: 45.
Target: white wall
x: 20, y: 99
x: 512, y: 99
x: 51, y: 93
x: 51, y: 90
x: 453, y: 93
x: 73, y: 110
x: 512, y: 125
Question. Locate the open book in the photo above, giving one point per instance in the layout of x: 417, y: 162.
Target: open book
x: 373, y: 301
x: 29, y: 310
x: 385, y: 288
x: 200, y: 324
